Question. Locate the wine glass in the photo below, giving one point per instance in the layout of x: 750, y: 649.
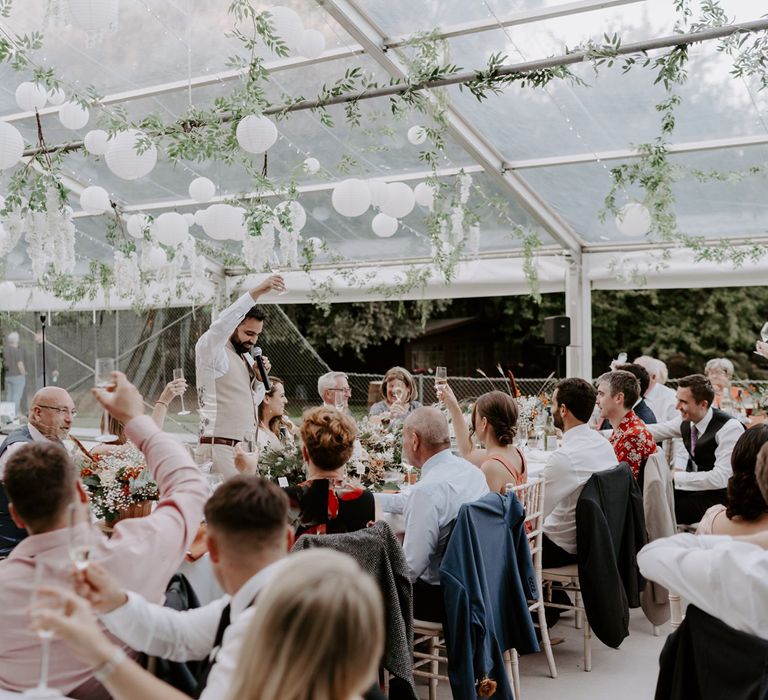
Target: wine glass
x: 338, y: 398
x: 45, y: 575
x: 103, y: 380
x: 79, y: 540
x: 178, y: 373
x: 441, y: 380
x: 276, y: 269
x: 249, y: 441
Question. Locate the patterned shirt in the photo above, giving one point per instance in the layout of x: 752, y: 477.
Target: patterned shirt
x: 632, y: 442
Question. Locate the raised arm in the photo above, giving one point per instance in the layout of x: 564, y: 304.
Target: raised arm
x: 667, y: 429
x: 463, y: 439
x: 174, y: 388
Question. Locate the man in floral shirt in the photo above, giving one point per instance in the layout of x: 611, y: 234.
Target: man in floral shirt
x: 632, y: 442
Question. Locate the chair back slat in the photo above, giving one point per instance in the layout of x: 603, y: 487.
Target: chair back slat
x: 531, y: 495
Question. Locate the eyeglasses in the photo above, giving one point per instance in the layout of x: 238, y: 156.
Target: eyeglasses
x: 65, y: 411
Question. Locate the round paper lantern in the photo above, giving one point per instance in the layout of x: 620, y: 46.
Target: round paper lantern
x: 384, y: 226
x: 94, y: 15
x: 171, y: 228
x: 311, y: 43
x: 311, y: 165
x: 256, y: 134
x: 634, y: 219
x: 11, y: 146
x: 31, y: 96
x: 223, y: 221
x: 123, y: 159
x: 96, y: 142
x: 398, y: 200
x: 377, y: 189
x: 94, y: 200
x: 136, y: 225
x: 351, y: 197
x: 321, y: 213
x: 298, y: 215
x: 200, y: 215
x: 6, y: 289
x: 201, y: 189
x: 424, y: 194
x: 57, y: 96
x: 417, y: 135
x: 2, y: 202
x: 73, y: 116
x: 287, y: 24
x: 189, y: 217
x: 155, y: 258
x: 314, y: 244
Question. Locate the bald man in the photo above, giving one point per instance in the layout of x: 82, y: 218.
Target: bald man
x: 431, y: 506
x: 50, y: 419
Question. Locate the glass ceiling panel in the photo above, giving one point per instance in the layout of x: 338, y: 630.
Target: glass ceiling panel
x: 712, y: 209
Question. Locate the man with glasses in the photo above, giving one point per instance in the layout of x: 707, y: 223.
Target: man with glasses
x: 333, y: 388
x: 50, y: 420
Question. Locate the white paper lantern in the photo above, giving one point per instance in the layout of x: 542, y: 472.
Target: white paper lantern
x: 94, y: 200
x: 298, y: 215
x: 311, y: 166
x: 56, y: 97
x: 378, y: 189
x: 123, y: 159
x: 398, y: 201
x: 189, y: 217
x: 351, y: 197
x: 136, y: 225
x: 424, y: 194
x: 73, y: 116
x: 256, y: 134
x: 31, y: 96
x: 2, y: 202
x: 634, y: 219
x: 321, y: 213
x: 287, y: 25
x: 384, y: 226
x: 96, y: 142
x: 201, y: 189
x: 200, y: 215
x: 11, y: 145
x: 311, y: 43
x: 94, y: 15
x: 223, y: 221
x: 154, y: 258
x: 315, y: 244
x: 171, y: 228
x: 6, y: 289
x: 417, y: 135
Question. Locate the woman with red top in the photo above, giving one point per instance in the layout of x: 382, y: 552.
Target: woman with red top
x: 494, y: 422
x: 326, y: 503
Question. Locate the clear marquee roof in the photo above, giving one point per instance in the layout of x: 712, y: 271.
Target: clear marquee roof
x: 559, y: 142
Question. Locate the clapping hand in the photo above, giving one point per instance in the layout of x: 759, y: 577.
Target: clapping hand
x: 122, y: 400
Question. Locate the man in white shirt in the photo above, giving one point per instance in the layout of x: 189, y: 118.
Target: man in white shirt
x: 248, y: 537
x: 431, y: 506
x: 229, y: 386
x: 583, y: 453
x: 333, y: 388
x: 709, y: 436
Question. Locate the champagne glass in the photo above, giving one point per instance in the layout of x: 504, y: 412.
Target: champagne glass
x: 339, y: 400
x: 45, y: 575
x: 249, y: 441
x: 79, y: 540
x: 441, y: 379
x: 178, y: 373
x: 764, y: 332
x: 277, y: 269
x: 103, y: 380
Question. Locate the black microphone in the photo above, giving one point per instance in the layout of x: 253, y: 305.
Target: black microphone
x: 260, y: 363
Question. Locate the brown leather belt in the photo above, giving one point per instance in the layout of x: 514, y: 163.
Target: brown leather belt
x: 218, y: 441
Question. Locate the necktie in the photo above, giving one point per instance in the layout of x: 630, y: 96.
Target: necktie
x: 211, y: 660
x: 694, y: 440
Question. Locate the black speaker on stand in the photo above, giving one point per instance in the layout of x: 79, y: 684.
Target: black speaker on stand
x: 557, y: 333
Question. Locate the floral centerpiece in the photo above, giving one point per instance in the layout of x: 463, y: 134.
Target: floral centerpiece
x: 381, y: 454
x: 286, y: 462
x: 119, y: 483
x: 529, y: 409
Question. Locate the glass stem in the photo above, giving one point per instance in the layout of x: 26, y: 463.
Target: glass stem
x: 44, y: 662
x: 106, y: 423
x: 183, y: 410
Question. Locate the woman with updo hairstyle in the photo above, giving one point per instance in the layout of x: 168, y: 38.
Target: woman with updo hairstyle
x: 745, y: 511
x: 326, y: 502
x: 494, y: 423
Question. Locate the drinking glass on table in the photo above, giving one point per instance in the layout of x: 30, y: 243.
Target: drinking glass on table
x: 103, y: 380
x: 441, y: 379
x: 178, y: 373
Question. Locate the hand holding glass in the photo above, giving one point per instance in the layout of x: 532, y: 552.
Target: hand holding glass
x: 79, y: 540
x: 178, y: 373
x: 103, y: 380
x: 441, y: 379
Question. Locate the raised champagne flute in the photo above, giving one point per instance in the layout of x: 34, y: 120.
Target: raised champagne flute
x: 178, y: 373
x: 103, y: 380
x: 277, y: 269
x: 79, y: 539
x: 441, y: 380
x: 763, y: 336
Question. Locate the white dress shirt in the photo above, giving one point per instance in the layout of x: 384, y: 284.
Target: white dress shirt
x: 189, y: 635
x: 663, y: 402
x: 724, y: 577
x: 447, y: 482
x: 583, y: 453
x: 37, y: 436
x: 726, y: 437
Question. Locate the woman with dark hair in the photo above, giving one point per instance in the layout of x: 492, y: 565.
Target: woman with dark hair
x: 399, y: 396
x: 746, y: 511
x: 494, y: 422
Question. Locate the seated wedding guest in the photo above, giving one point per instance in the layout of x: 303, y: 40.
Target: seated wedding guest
x: 143, y: 553
x: 494, y: 423
x: 326, y: 502
x: 617, y: 392
x: 583, y: 452
x: 431, y: 506
x: 709, y: 436
x: 317, y: 632
x: 640, y: 407
x: 248, y: 538
x: 660, y: 398
x: 275, y: 427
x: 719, y: 371
x: 333, y: 388
x: 50, y: 420
x: 399, y: 391
x: 745, y: 510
